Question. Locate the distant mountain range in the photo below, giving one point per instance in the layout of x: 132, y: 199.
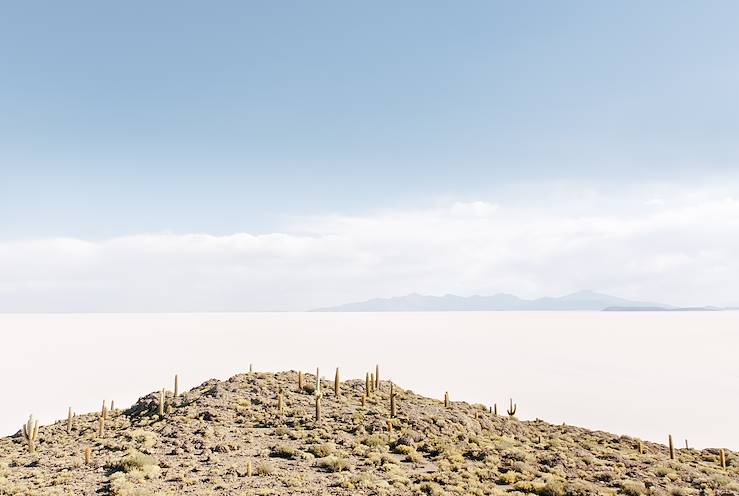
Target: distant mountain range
x: 581, y: 300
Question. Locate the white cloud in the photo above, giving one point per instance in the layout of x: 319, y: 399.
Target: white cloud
x: 682, y: 253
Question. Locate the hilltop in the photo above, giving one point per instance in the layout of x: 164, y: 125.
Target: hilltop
x: 257, y: 434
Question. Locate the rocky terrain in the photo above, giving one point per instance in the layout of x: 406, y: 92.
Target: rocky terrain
x: 257, y: 434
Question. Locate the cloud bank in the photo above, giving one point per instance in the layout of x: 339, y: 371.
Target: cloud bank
x: 679, y: 248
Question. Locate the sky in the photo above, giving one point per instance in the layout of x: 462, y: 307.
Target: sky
x: 184, y: 156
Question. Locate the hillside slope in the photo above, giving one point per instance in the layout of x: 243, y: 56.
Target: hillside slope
x: 229, y: 437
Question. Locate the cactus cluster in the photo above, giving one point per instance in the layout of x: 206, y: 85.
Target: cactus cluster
x: 30, y: 433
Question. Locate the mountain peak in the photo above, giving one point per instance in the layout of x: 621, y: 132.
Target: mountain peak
x: 414, y: 302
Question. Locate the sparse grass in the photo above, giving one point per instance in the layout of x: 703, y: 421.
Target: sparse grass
x: 332, y: 463
x: 322, y: 450
x: 633, y: 488
x: 134, y: 460
x: 264, y: 468
x: 284, y: 451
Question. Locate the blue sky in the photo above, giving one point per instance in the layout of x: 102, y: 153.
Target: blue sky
x: 174, y: 118
x: 198, y: 117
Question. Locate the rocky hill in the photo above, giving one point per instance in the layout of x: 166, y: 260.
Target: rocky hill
x: 257, y: 434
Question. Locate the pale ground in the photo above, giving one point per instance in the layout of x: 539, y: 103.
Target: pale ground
x: 642, y: 374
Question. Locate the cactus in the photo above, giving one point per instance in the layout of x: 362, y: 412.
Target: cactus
x: 686, y: 444
x: 248, y: 468
x: 336, y: 383
x: 88, y: 455
x: 372, y: 381
x: 318, y: 408
x: 69, y: 420
x: 392, y: 400
x: 367, y: 388
x: 161, y: 403
x: 176, y: 385
x: 641, y: 448
x: 512, y: 409
x: 104, y: 410
x: 112, y: 407
x: 30, y: 433
x: 280, y: 402
x: 300, y: 380
x: 101, y: 426
x: 722, y: 458
x: 318, y: 382
x: 672, y: 448
x: 446, y: 399
x: 389, y: 425
x: 364, y: 400
x: 251, y: 368
x: 495, y: 409
x: 377, y: 377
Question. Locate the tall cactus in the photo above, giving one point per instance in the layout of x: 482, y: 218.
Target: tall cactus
x: 280, y: 402
x: 88, y: 455
x: 162, y: 400
x: 101, y: 426
x: 512, y: 409
x: 30, y: 433
x: 104, y: 410
x: 318, y: 408
x: 69, y: 420
x: 446, y: 399
x: 722, y: 458
x: 318, y: 382
x: 367, y: 389
x: 672, y: 448
x: 336, y: 383
x: 300, y: 380
x: 392, y: 400
x: 176, y: 386
x: 372, y: 381
x: 377, y: 377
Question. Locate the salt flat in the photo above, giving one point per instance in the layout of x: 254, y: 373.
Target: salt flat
x: 642, y: 374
